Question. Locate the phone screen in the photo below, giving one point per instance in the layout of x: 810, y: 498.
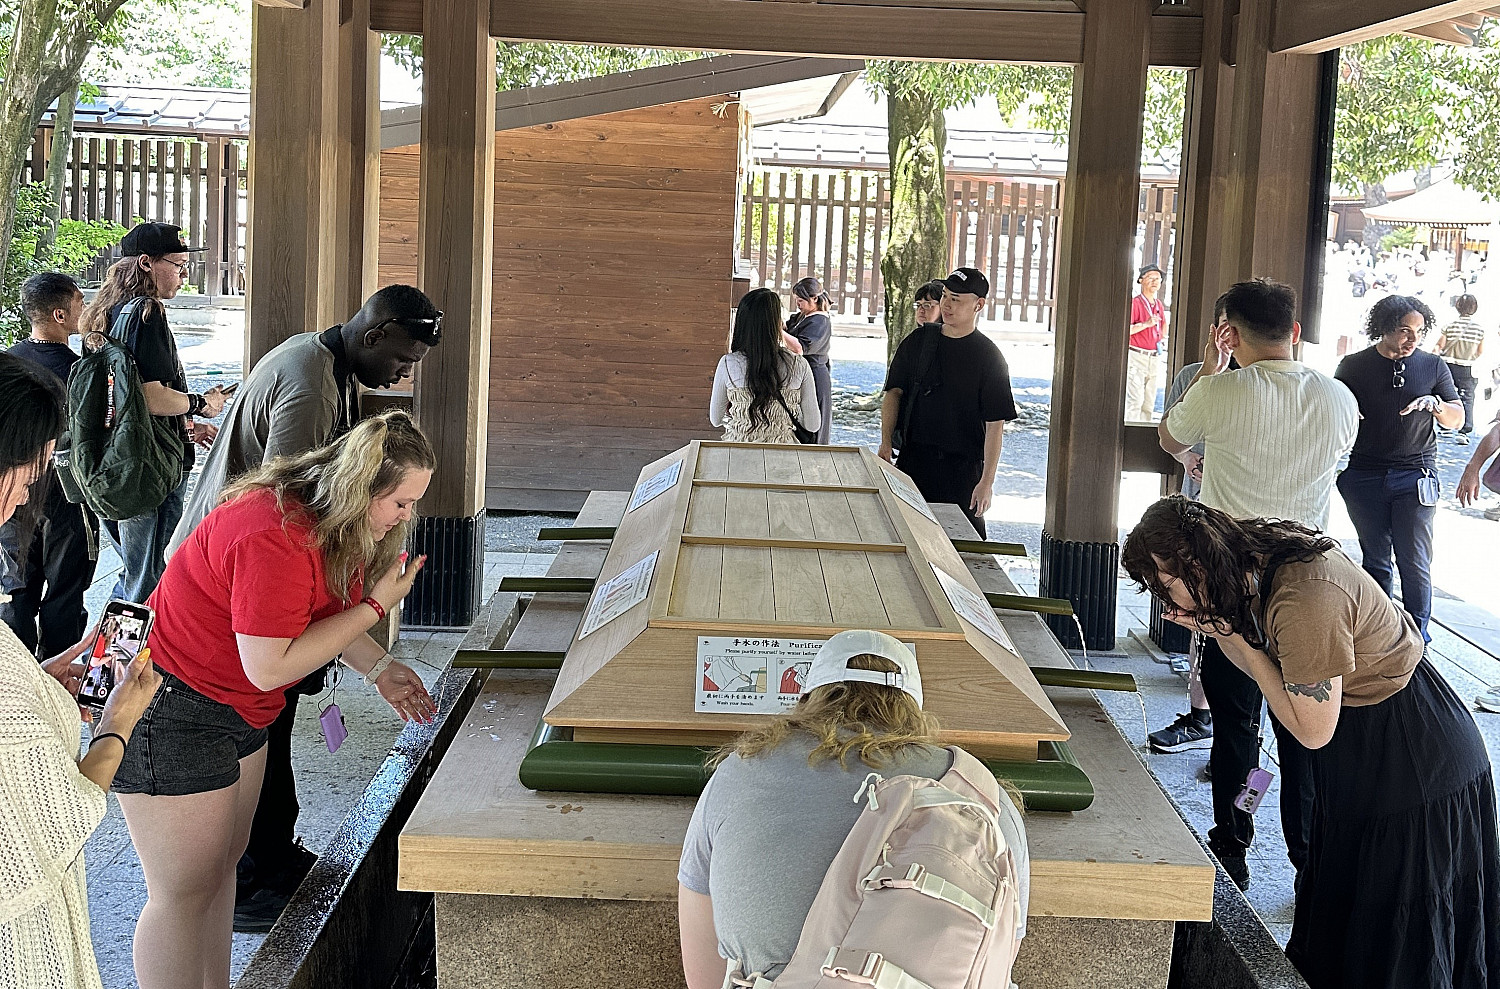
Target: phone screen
x: 122, y: 633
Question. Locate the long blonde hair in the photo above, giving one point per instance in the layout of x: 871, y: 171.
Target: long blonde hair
x: 870, y: 720
x: 331, y: 488
x: 125, y: 280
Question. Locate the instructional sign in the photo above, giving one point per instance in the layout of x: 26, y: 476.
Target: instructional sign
x: 662, y: 480
x: 618, y: 595
x: 908, y: 493
x: 973, y: 608
x: 758, y: 675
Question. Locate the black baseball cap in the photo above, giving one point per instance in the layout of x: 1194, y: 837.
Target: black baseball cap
x: 967, y: 280
x: 155, y: 239
x: 1147, y: 270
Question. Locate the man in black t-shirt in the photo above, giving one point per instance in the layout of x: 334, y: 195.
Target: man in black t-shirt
x: 949, y: 387
x: 154, y: 252
x: 1390, y: 486
x: 47, y: 577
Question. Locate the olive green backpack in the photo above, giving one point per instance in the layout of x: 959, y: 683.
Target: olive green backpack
x: 121, y: 461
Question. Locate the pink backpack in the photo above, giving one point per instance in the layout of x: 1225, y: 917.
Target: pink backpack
x: 927, y: 892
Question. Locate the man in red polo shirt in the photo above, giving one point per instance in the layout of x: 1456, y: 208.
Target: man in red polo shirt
x: 1148, y: 322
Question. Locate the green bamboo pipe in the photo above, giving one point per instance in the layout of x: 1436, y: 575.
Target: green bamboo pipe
x: 525, y: 659
x: 1026, y: 602
x: 563, y: 533
x: 507, y: 659
x: 556, y: 762
x: 985, y: 546
x: 560, y: 585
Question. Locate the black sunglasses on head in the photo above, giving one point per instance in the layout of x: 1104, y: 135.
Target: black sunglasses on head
x: 427, y: 329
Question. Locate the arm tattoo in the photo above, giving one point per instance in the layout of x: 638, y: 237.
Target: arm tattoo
x: 1320, y: 691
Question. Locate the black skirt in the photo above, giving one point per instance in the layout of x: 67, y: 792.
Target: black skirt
x: 1402, y: 887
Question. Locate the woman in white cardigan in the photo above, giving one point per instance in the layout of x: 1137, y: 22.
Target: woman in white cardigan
x: 761, y: 389
x: 53, y: 800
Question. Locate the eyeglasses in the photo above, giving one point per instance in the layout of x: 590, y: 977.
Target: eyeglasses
x: 182, y: 269
x: 929, y: 304
x: 431, y: 326
x: 1398, y: 379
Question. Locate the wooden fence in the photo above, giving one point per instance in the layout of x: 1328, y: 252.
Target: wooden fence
x: 199, y: 184
x: 834, y: 225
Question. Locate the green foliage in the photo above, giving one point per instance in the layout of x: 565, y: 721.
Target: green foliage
x: 527, y: 63
x: 1393, y: 100
x: 78, y: 244
x: 1399, y: 237
x: 177, y: 43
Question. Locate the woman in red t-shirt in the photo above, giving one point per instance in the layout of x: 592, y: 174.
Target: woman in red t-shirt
x: 269, y: 587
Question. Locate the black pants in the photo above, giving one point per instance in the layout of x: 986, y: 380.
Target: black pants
x: 1235, y: 700
x: 1463, y: 380
x: 46, y: 593
x: 823, y: 385
x: 274, y: 828
x: 944, y: 478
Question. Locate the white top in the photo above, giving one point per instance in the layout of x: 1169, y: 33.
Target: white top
x: 48, y: 809
x: 729, y: 406
x: 1273, y: 434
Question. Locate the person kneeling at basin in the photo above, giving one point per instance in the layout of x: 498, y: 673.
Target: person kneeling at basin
x: 823, y: 822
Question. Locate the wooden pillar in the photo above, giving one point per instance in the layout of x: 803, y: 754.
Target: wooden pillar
x: 1196, y: 280
x: 356, y: 163
x: 454, y: 253
x: 1269, y: 228
x: 1084, y: 457
x: 288, y: 257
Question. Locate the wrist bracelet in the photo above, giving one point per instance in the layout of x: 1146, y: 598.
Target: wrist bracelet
x: 108, y: 734
x: 196, y: 404
x: 379, y: 608
x: 381, y: 665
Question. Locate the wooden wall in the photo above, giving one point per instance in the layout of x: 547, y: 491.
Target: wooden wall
x: 614, y: 244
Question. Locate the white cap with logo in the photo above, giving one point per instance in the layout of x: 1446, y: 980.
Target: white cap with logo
x: 831, y: 664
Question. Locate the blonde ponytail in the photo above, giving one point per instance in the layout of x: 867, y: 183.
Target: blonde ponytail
x: 331, y: 488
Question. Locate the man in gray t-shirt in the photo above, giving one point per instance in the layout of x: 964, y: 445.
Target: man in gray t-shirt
x: 300, y: 396
x: 764, y: 833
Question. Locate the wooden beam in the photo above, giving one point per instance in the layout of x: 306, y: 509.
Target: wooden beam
x: 1094, y: 280
x: 455, y: 246
x: 288, y: 265
x: 1303, y: 27
x: 283, y: 4
x: 356, y: 165
x: 945, y: 32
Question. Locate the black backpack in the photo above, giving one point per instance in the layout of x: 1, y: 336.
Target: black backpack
x: 123, y: 460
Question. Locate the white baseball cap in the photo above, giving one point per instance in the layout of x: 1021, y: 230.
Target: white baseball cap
x: 831, y: 664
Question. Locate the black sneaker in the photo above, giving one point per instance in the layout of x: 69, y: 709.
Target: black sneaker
x: 1194, y: 730
x: 257, y: 913
x: 1235, y: 866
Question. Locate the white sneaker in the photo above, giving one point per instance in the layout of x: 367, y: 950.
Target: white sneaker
x: 1493, y: 514
x: 1489, y: 700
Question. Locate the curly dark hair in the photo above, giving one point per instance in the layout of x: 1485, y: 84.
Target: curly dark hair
x: 1387, y: 314
x: 1214, y: 554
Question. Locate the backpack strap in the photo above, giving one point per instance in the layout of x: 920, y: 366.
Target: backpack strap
x: 976, y: 775
x: 926, y: 351
x: 867, y: 968
x: 127, y: 325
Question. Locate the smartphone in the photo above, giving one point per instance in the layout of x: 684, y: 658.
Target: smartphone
x: 121, y: 636
x: 231, y: 389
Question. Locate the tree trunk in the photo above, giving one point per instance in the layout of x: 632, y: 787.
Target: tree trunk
x: 36, y: 21
x: 1374, y: 196
x: 917, y: 249
x: 57, y: 163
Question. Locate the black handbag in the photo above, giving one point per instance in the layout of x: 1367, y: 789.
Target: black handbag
x: 803, y: 434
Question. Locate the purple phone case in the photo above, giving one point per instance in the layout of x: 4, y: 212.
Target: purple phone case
x: 334, y: 732
x: 1256, y: 785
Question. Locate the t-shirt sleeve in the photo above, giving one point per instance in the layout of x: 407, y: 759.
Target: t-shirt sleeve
x: 1444, y: 388
x: 271, y: 585
x: 1310, y: 627
x: 155, y: 351
x: 814, y: 331
x: 1189, y: 420
x: 903, y: 364
x: 996, y: 403
x: 692, y: 868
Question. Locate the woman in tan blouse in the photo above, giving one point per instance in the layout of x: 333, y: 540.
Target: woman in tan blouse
x: 1402, y: 885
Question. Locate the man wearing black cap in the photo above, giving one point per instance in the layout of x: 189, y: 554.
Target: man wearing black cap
x: 947, y: 399
x: 153, y: 269
x: 1148, y: 321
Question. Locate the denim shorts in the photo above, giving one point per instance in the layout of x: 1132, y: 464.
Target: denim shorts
x: 185, y: 743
